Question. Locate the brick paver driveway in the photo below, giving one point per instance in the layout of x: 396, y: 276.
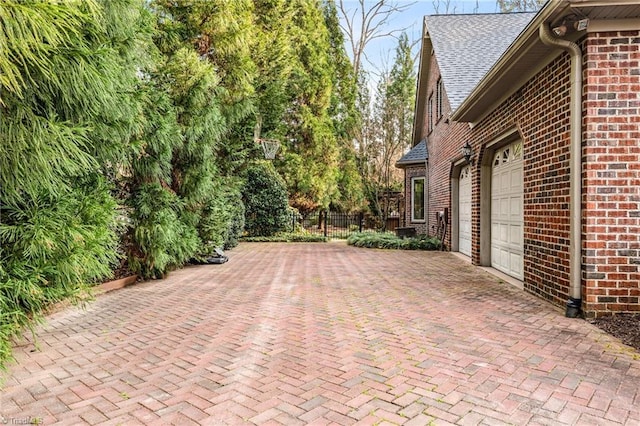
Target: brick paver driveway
x: 322, y: 334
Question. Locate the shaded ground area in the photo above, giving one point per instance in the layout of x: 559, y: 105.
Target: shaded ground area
x: 322, y: 333
x: 625, y: 327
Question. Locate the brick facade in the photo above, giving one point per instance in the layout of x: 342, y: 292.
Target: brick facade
x: 611, y: 173
x: 411, y: 172
x: 443, y: 146
x: 539, y: 115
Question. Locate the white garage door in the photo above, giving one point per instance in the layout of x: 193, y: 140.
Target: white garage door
x: 506, y: 210
x: 464, y: 211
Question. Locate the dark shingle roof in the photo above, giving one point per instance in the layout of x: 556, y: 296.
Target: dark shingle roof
x: 418, y: 154
x: 467, y: 46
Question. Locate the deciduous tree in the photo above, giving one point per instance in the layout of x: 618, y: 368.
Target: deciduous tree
x: 519, y: 5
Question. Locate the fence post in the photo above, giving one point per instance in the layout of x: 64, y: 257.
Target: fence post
x: 361, y: 221
x: 326, y: 213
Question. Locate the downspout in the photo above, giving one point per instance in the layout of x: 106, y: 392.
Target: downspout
x: 574, y: 304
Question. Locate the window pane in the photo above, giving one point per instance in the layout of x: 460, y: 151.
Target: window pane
x: 430, y: 113
x: 439, y: 97
x: 418, y: 199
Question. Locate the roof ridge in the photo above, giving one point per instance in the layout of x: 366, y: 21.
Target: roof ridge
x: 483, y: 13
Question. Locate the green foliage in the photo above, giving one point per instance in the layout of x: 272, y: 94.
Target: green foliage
x: 288, y: 238
x: 52, y: 248
x: 220, y: 33
x: 391, y: 241
x: 67, y: 74
x: 222, y: 218
x: 143, y: 112
x: 236, y: 219
x: 160, y: 238
x: 265, y: 199
x: 182, y: 206
x: 344, y: 116
x: 310, y: 151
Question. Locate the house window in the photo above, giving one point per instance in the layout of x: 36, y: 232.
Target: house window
x: 439, y: 98
x: 430, y: 112
x: 417, y: 199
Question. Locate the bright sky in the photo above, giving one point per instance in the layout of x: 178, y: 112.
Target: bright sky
x: 381, y: 51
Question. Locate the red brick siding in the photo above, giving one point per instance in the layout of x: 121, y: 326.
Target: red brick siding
x: 612, y: 173
x: 441, y: 152
x: 540, y: 113
x: 410, y: 172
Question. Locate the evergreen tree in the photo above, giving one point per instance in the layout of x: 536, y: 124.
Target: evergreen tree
x: 310, y: 152
x: 67, y: 74
x: 265, y: 197
x: 394, y: 122
x: 183, y: 206
x: 344, y: 116
x: 221, y: 32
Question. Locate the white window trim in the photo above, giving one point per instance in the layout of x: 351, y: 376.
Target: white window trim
x: 439, y: 94
x: 413, y: 199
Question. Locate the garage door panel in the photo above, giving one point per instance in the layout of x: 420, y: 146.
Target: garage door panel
x: 515, y: 207
x: 515, y: 236
x: 464, y: 211
x: 504, y: 232
x: 516, y: 180
x: 507, y: 210
x: 504, y: 183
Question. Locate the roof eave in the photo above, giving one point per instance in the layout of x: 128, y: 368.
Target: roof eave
x: 423, y: 71
x: 402, y: 165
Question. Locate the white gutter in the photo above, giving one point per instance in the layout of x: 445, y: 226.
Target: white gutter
x: 574, y: 303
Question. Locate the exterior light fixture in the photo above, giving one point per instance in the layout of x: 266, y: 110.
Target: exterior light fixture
x: 560, y: 30
x: 570, y: 24
x: 467, y: 152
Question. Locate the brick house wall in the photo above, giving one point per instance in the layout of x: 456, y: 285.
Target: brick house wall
x: 611, y: 173
x: 539, y: 112
x: 539, y: 115
x: 411, y: 172
x: 442, y: 146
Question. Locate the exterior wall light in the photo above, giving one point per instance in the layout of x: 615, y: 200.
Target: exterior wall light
x: 570, y: 24
x: 467, y: 152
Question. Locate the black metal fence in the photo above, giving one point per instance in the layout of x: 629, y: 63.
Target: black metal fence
x: 337, y: 224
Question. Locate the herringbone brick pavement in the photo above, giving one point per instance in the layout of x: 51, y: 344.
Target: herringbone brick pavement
x: 315, y: 334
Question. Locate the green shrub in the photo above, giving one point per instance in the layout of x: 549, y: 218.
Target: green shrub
x: 287, y: 238
x: 235, y: 222
x: 222, y: 219
x: 67, y: 113
x: 161, y: 239
x: 266, y: 201
x: 52, y: 248
x: 391, y: 241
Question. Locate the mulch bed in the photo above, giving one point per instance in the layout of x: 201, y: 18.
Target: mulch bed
x: 625, y: 327
x: 122, y: 271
